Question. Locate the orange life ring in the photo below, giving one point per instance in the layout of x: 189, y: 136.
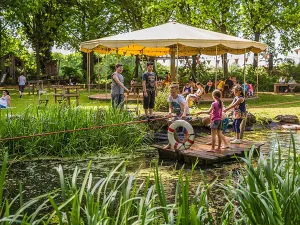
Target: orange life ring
x: 190, y: 131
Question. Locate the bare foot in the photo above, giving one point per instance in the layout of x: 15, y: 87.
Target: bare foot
x: 209, y: 143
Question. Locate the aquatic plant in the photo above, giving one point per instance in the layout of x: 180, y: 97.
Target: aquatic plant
x: 57, y: 118
x: 267, y: 192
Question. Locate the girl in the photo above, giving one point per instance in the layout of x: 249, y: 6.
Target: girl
x: 239, y: 106
x: 215, y: 112
x: 5, y: 100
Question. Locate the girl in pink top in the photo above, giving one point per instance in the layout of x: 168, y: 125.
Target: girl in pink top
x: 215, y: 112
x: 250, y: 90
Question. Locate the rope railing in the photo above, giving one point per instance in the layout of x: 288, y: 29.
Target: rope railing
x: 118, y: 124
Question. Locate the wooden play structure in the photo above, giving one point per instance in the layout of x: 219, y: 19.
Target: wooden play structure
x: 9, y: 66
x: 66, y: 92
x: 51, y: 68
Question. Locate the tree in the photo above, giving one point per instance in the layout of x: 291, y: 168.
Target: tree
x: 39, y: 21
x: 219, y: 16
x: 263, y: 20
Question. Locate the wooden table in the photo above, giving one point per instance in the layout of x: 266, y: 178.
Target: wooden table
x: 277, y: 85
x: 65, y: 93
x: 136, y: 88
x: 32, y: 83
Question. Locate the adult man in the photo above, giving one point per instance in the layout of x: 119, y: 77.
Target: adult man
x: 281, y: 81
x: 149, y: 89
x: 117, y: 88
x: 22, y: 82
x: 178, y: 105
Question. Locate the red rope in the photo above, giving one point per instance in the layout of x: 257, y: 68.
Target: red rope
x: 81, y: 129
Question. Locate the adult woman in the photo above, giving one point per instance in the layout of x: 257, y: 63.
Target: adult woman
x: 5, y: 100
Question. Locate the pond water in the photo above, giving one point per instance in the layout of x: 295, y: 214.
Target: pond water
x: 39, y: 176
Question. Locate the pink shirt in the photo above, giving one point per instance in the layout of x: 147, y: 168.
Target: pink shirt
x: 250, y: 87
x: 216, y: 113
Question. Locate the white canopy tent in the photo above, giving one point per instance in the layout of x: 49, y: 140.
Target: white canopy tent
x: 174, y: 39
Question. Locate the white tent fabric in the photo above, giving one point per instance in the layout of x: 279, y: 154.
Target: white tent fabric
x: 161, y: 40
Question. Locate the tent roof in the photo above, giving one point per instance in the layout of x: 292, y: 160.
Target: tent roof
x: 161, y: 40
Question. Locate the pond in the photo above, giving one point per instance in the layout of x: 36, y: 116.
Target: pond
x: 39, y: 176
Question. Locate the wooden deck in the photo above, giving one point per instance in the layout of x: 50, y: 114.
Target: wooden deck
x: 207, y: 98
x: 199, y: 151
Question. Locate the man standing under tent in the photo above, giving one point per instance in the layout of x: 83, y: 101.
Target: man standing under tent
x: 149, y: 89
x: 117, y: 88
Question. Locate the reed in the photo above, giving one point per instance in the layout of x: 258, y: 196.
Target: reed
x: 267, y: 192
x: 57, y: 118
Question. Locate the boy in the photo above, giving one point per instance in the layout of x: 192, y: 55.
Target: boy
x: 149, y: 89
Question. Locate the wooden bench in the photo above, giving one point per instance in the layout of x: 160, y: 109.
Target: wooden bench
x: 132, y: 109
x: 64, y: 92
x: 277, y: 85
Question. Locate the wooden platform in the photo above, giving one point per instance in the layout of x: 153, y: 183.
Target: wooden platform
x: 199, y: 151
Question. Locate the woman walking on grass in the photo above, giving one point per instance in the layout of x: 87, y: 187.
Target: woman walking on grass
x: 215, y: 112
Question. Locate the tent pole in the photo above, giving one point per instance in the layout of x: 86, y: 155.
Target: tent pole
x: 244, y: 74
x: 177, y: 78
x: 216, y: 68
x: 223, y: 59
x: 256, y: 82
x: 89, y: 74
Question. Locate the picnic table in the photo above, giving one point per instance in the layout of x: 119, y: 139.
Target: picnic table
x: 32, y: 84
x: 277, y: 85
x: 65, y: 92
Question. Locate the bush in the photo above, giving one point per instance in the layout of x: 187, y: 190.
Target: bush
x: 161, y: 100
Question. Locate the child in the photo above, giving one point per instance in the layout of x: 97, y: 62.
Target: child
x: 178, y: 105
x: 215, y: 112
x: 195, y: 97
x: 239, y: 106
x: 225, y: 121
x: 250, y: 90
x: 187, y: 89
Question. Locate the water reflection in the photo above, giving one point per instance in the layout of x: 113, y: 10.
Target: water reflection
x: 39, y: 176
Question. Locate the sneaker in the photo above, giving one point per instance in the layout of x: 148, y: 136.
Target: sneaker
x: 236, y: 141
x: 232, y: 139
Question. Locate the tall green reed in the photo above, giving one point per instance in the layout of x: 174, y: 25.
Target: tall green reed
x: 269, y: 191
x: 57, y: 118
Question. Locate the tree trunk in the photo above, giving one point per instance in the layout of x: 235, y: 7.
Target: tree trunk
x: 38, y: 60
x: 224, y: 57
x: 255, y: 60
x: 194, y: 63
x: 137, y: 64
x: 225, y: 64
x: 271, y: 62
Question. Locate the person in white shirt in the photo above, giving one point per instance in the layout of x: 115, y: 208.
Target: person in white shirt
x: 282, y: 81
x: 5, y: 100
x: 22, y: 82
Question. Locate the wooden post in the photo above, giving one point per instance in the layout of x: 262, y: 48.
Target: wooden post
x: 172, y: 65
x: 77, y: 96
x: 216, y: 74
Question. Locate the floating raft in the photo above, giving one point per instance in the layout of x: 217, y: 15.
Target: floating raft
x: 199, y: 151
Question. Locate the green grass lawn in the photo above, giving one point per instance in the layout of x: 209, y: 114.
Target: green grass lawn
x: 260, y: 107
x: 20, y: 104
